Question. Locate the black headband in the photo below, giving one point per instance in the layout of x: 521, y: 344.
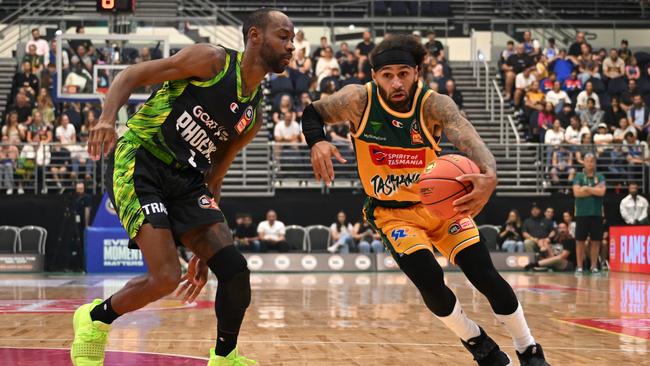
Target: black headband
x: 392, y: 57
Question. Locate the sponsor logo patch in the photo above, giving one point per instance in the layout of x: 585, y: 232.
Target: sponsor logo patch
x: 397, y: 158
x: 398, y: 234
x: 245, y: 120
x: 460, y: 225
x: 397, y: 123
x: 376, y: 126
x: 416, y: 135
x: 373, y: 137
x: 430, y: 167
x: 208, y: 203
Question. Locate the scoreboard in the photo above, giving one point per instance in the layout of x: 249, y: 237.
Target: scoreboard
x: 115, y: 6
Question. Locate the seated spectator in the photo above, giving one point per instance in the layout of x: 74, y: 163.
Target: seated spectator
x: 634, y: 150
x: 343, y: 52
x: 587, y: 66
x: 562, y: 164
x: 326, y: 63
x: 575, y: 47
x: 45, y: 105
x: 566, y: 114
x: 583, y: 98
x: 23, y: 108
x: 634, y: 207
x: 349, y: 65
x: 561, y: 259
x: 90, y: 120
x: 627, y: 97
x: 624, y: 52
x: 319, y: 51
x: 572, y: 85
x: 8, y: 159
x: 367, y: 239
x: 280, y: 84
x: 454, y: 94
x: 328, y: 89
x: 285, y: 108
x: 246, y: 237
x: 523, y: 83
x: 509, y: 51
x: 549, y: 214
x: 50, y: 57
x: 35, y: 60
x: 614, y: 70
x: 301, y: 43
x: 78, y: 79
x: 584, y: 148
x: 85, y: 60
x: 537, y: 230
x: 551, y: 51
x: 65, y: 132
x: 622, y: 129
x: 287, y: 131
x: 510, y: 238
x: 614, y: 113
x: 59, y: 167
x: 435, y: 47
x: 341, y: 232
x: 602, y: 139
x: 562, y: 66
x: 567, y: 218
x: 516, y: 64
x: 541, y: 67
x: 37, y: 128
x: 573, y: 132
x: 39, y: 44
x: 592, y: 116
x: 546, y: 84
x: 303, y: 101
x: 546, y: 122
x: 557, y: 97
x: 271, y: 233
x: 632, y: 71
x: 301, y: 62
x: 531, y: 46
x: 334, y: 77
x: 24, y: 79
x: 639, y: 116
x: 14, y: 131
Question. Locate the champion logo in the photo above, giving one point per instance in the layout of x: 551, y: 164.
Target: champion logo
x: 234, y: 107
x: 397, y: 123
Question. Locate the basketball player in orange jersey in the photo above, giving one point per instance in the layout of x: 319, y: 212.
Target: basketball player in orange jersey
x: 396, y: 124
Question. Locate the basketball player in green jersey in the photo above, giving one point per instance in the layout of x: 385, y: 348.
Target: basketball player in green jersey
x: 186, y: 135
x: 396, y: 124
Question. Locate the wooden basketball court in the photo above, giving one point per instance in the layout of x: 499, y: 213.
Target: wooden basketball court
x: 333, y: 319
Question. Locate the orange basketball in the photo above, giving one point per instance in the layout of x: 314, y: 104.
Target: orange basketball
x: 438, y: 185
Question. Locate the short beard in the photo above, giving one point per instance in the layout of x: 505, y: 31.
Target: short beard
x: 404, y: 105
x: 272, y: 61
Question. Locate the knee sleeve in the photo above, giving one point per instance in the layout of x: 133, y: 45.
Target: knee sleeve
x: 234, y: 288
x: 425, y: 273
x: 477, y: 265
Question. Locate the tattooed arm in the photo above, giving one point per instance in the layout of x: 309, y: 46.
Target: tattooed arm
x: 442, y: 111
x: 345, y: 105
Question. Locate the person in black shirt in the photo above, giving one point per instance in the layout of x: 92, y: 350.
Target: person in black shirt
x: 561, y: 259
x: 246, y: 236
x: 23, y: 108
x: 624, y: 52
x: 435, y: 47
x: 366, y: 46
x: 515, y: 64
x: 627, y: 96
x: 24, y: 79
x: 574, y: 49
x: 81, y: 205
x: 614, y: 113
x: 454, y: 94
x: 349, y: 65
x: 537, y: 230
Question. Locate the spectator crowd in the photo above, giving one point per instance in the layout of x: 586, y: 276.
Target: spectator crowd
x: 571, y: 99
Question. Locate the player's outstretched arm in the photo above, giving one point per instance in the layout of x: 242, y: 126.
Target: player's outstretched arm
x: 442, y: 110
x: 200, y: 61
x: 346, y: 105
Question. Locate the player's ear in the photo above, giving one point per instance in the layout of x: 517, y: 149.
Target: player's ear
x: 255, y: 35
x: 372, y: 74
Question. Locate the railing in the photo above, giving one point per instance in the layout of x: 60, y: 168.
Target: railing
x: 513, y: 128
x: 502, y: 104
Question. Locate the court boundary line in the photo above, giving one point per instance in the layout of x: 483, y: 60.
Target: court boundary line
x: 109, y: 350
x: 611, y: 332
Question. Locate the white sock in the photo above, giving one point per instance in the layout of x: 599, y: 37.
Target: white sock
x: 516, y: 325
x: 460, y: 324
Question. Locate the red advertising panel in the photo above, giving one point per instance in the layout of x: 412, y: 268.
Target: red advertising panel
x: 629, y: 248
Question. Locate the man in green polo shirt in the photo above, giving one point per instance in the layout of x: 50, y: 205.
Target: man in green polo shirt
x: 588, y: 190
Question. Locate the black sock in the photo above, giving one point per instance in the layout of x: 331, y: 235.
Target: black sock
x: 104, y: 312
x: 226, y: 342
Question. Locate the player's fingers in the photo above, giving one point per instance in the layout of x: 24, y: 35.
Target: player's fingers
x: 108, y: 144
x: 469, y: 177
x: 92, y: 144
x: 315, y: 166
x: 465, y: 199
x: 188, y: 293
x: 338, y: 155
x: 322, y: 169
x: 195, y: 294
x: 181, y: 288
x: 330, y: 171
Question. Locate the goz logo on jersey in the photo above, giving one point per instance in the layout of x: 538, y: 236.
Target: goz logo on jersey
x: 397, y: 158
x: 208, y: 203
x: 245, y: 120
x: 397, y: 234
x: 460, y: 225
x: 197, y: 136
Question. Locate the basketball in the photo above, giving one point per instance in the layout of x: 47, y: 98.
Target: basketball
x: 439, y: 188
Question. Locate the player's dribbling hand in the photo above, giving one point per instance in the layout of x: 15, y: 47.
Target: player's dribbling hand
x: 321, y: 161
x: 472, y: 203
x: 102, y: 134
x: 193, y: 281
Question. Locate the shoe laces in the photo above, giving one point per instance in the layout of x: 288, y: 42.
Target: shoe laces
x: 242, y: 361
x: 94, y: 335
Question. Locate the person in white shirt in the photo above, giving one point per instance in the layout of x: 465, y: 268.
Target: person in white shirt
x: 555, y: 135
x: 634, y: 208
x: 271, y: 233
x: 66, y: 133
x: 341, y: 232
x: 288, y: 130
x: 524, y: 79
x: 573, y: 132
x: 325, y: 64
x: 602, y: 138
x: 583, y: 97
x: 557, y: 97
x: 41, y: 45
x: 623, y: 128
x: 301, y: 43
